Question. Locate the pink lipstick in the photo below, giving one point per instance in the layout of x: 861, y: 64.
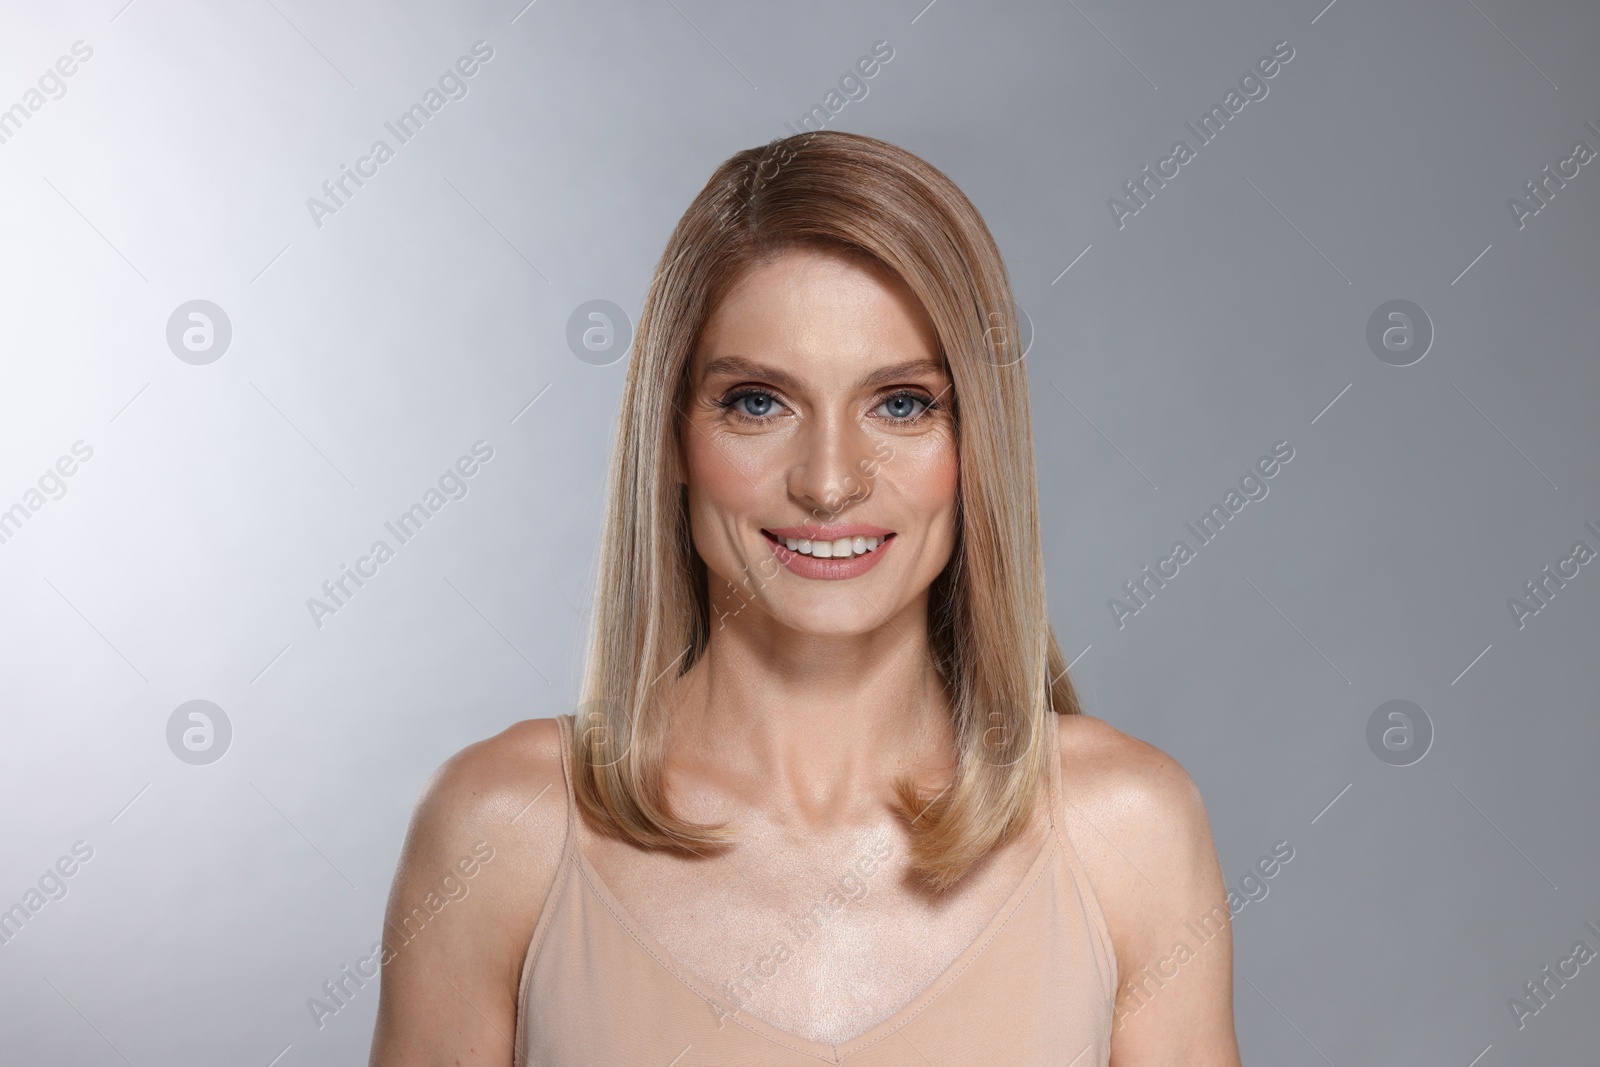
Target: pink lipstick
x: 829, y: 551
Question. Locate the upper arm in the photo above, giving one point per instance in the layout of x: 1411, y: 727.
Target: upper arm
x: 1140, y: 822
x: 479, y: 859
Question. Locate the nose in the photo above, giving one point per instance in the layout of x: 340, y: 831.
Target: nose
x: 832, y: 470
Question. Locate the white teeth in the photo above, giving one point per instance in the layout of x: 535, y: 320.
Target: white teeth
x: 843, y: 548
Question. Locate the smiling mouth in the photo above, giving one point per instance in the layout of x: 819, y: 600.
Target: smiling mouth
x: 838, y: 548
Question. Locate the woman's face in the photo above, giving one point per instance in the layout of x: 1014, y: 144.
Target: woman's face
x: 819, y: 449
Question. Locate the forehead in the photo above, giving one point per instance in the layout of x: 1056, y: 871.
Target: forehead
x: 835, y: 311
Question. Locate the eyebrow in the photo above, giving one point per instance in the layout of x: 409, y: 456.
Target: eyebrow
x: 739, y: 365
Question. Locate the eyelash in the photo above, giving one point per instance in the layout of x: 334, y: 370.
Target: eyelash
x: 928, y: 403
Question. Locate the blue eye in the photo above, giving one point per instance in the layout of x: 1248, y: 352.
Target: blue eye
x: 756, y: 405
x: 750, y: 403
x: 905, y: 407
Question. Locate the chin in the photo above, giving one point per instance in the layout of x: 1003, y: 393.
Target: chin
x: 847, y: 616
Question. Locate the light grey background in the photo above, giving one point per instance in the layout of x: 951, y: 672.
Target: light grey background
x: 369, y: 353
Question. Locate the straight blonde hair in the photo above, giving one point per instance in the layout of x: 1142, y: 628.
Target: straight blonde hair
x: 989, y: 624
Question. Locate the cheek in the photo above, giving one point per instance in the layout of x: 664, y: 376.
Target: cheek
x: 925, y: 472
x: 723, y: 470
x: 725, y: 482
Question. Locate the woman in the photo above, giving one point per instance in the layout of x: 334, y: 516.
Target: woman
x: 829, y: 797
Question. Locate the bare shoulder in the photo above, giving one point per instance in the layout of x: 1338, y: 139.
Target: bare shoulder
x: 1116, y: 775
x: 1138, y: 819
x: 480, y: 858
x: 491, y: 783
x: 505, y: 795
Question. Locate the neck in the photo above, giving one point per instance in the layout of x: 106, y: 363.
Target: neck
x: 812, y: 729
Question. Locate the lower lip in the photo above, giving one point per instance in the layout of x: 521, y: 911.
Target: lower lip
x: 828, y: 569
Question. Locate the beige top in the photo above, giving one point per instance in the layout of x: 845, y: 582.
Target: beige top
x: 1036, y: 986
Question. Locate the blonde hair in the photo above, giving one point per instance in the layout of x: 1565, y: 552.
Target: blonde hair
x: 989, y: 624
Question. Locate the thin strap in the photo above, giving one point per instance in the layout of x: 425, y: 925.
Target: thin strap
x: 1080, y: 874
x: 1053, y: 757
x: 569, y: 854
x: 564, y: 726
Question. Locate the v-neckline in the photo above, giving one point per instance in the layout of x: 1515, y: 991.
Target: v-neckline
x: 822, y: 1050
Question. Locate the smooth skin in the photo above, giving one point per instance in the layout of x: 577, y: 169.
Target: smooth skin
x: 813, y: 695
